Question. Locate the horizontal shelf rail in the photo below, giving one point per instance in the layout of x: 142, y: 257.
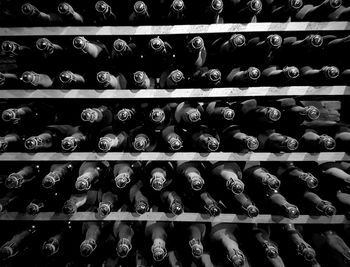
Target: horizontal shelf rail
x: 184, y: 217
x: 179, y: 93
x: 160, y: 156
x: 177, y: 29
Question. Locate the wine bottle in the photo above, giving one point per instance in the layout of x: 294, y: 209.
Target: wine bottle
x: 108, y: 203
x: 92, y: 233
x: 54, y: 243
x: 161, y: 174
x: 196, y: 53
x: 176, y: 12
x: 172, y: 201
x: 71, y: 80
x: 192, y: 172
x: 282, y: 76
x: 223, y: 235
x: 342, y: 139
x: 212, y: 12
x: 109, y: 81
x: 318, y: 205
x: 25, y: 175
x: 35, y: 17
x: 157, y: 116
x: 265, y: 50
x: 239, y: 77
x: 275, y: 142
x: 17, y: 243
x: 43, y: 202
x: 93, y: 49
x: 9, y: 199
x: 189, y: 114
x: 36, y: 80
x: 173, y: 138
x: 10, y: 80
x: 318, y: 12
x: 310, y: 141
x: 123, y: 232
x: 49, y: 139
x: 13, y: 49
x: 97, y: 116
x: 172, y: 79
x: 220, y: 114
x: 209, y: 204
x: 246, y: 205
x: 77, y: 140
x: 123, y: 173
x: 207, y: 78
x: 69, y: 15
x: 236, y: 141
x: 205, y: 139
x: 10, y: 142
x: 325, y: 75
x: 280, y: 205
x: 138, y: 199
x: 232, y: 47
x: 142, y: 81
x: 89, y: 173
x: 248, y: 11
x: 58, y: 174
x: 231, y: 174
x: 286, y: 10
x: 140, y: 14
x: 110, y: 140
x: 142, y: 139
x: 80, y: 200
x: 195, y: 234
x: 259, y: 177
x: 105, y: 14
x: 156, y: 233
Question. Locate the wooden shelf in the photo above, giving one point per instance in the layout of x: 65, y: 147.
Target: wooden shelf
x: 159, y: 156
x: 177, y: 29
x: 185, y: 217
x: 179, y: 93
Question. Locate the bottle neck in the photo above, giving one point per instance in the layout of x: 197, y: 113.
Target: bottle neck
x: 194, y: 178
x: 303, y: 248
x: 122, y: 175
x: 158, y: 179
x: 247, y: 205
x: 174, y: 141
x: 86, y: 47
x: 307, y: 179
x: 266, y: 179
x: 74, y: 142
x: 88, y: 246
x: 233, y: 182
x: 27, y: 174
x: 288, y: 210
x: 207, y: 142
x: 75, y: 201
x: 93, y: 115
x: 36, y: 79
x: 174, y: 202
x: 210, y: 205
x: 87, y: 176
x: 246, y: 141
x: 57, y: 173
x: 17, y: 115
x: 111, y: 142
x: 141, y: 142
x: 8, y: 141
x: 324, y: 207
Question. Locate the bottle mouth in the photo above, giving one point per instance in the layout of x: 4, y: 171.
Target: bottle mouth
x: 307, y: 252
x: 43, y: 44
x: 274, y: 40
x: 32, y: 209
x: 236, y: 257
x: 255, y: 6
x: 89, y: 115
x: 291, y: 72
x: 102, y: 7
x: 272, y: 182
x: 175, y: 144
x: 6, y: 252
x: 157, y: 44
x: 327, y: 142
x: 104, y: 209
x: 66, y: 77
x: 311, y: 181
x: 236, y: 186
x: 28, y: 77
x: 123, y: 248
x: 157, y: 116
x: 254, y: 73
x: 292, y: 212
x: 8, y: 46
x: 103, y: 77
x: 48, y: 249
x: 119, y: 45
x: 31, y: 143
x: 238, y: 40
x: 176, y: 76
x: 140, y: 7
x: 194, y: 115
x: 3, y: 145
x: 296, y: 4
x: 331, y: 72
x: 122, y: 180
x: 330, y: 210
x: 141, y: 207
x: 141, y: 143
x: 316, y: 40
x: 229, y: 114
x: 27, y: 9
x: 177, y: 208
x: 139, y: 77
x: 271, y: 250
x: 124, y: 115
x: 79, y: 42
x: 177, y: 5
x: 69, y: 144
x: 273, y: 114
x: 197, y: 250
x: 64, y: 8
x: 335, y: 3
x: 8, y: 115
x: 214, y: 76
x: 159, y: 253
x: 217, y: 6
x: 197, y: 43
x: 14, y: 180
x: 158, y: 184
x: 214, y: 210
x: 82, y: 185
x: 213, y: 144
x: 48, y: 182
x: 86, y: 248
x: 105, y: 144
x: 292, y: 144
x: 312, y: 113
x: 252, y: 211
x: 252, y: 143
x: 197, y: 183
x: 69, y: 208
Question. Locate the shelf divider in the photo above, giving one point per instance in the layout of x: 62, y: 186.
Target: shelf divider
x: 160, y: 156
x: 185, y: 217
x: 177, y: 29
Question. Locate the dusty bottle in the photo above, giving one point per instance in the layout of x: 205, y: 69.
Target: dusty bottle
x: 10, y: 142
x: 52, y: 245
x: 35, y: 16
x: 9, y: 80
x: 196, y: 233
x: 123, y: 173
x: 324, y: 75
x: 279, y: 203
x: 172, y: 79
x: 108, y: 203
x: 25, y: 175
x: 36, y: 80
x: 286, y: 10
x: 172, y: 201
x: 92, y: 49
x: 173, y: 138
x: 14, y: 49
x: 192, y: 172
x: 104, y: 13
x: 142, y: 139
x: 138, y: 199
x: 57, y: 175
x: 142, y: 81
x: 310, y: 141
x: 246, y: 205
x: 207, y: 78
x: 248, y: 11
x: 92, y: 234
x: 243, y: 77
x: 97, y: 116
x: 177, y: 12
x: 209, y: 204
x: 281, y: 76
x: 110, y: 140
x: 123, y: 234
x: 196, y: 53
x: 258, y: 176
x: 72, y: 80
x: 140, y: 14
x: 68, y: 14
x: 318, y: 205
x: 231, y: 174
x: 89, y: 173
x: 109, y: 81
x: 158, y: 116
x: 234, y: 140
x: 220, y: 113
x: 77, y: 140
x: 156, y: 233
x: 188, y: 114
x: 160, y: 174
x: 275, y: 142
x: 205, y: 139
x: 80, y: 200
x: 318, y: 12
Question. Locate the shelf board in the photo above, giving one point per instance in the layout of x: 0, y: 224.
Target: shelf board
x: 160, y: 156
x: 179, y: 93
x: 185, y: 217
x: 177, y: 29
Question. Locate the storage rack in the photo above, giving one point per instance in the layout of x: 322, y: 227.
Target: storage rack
x: 177, y: 93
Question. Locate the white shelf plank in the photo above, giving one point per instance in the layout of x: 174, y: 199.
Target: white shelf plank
x: 178, y: 93
x: 159, y: 156
x: 185, y: 217
x: 177, y: 29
